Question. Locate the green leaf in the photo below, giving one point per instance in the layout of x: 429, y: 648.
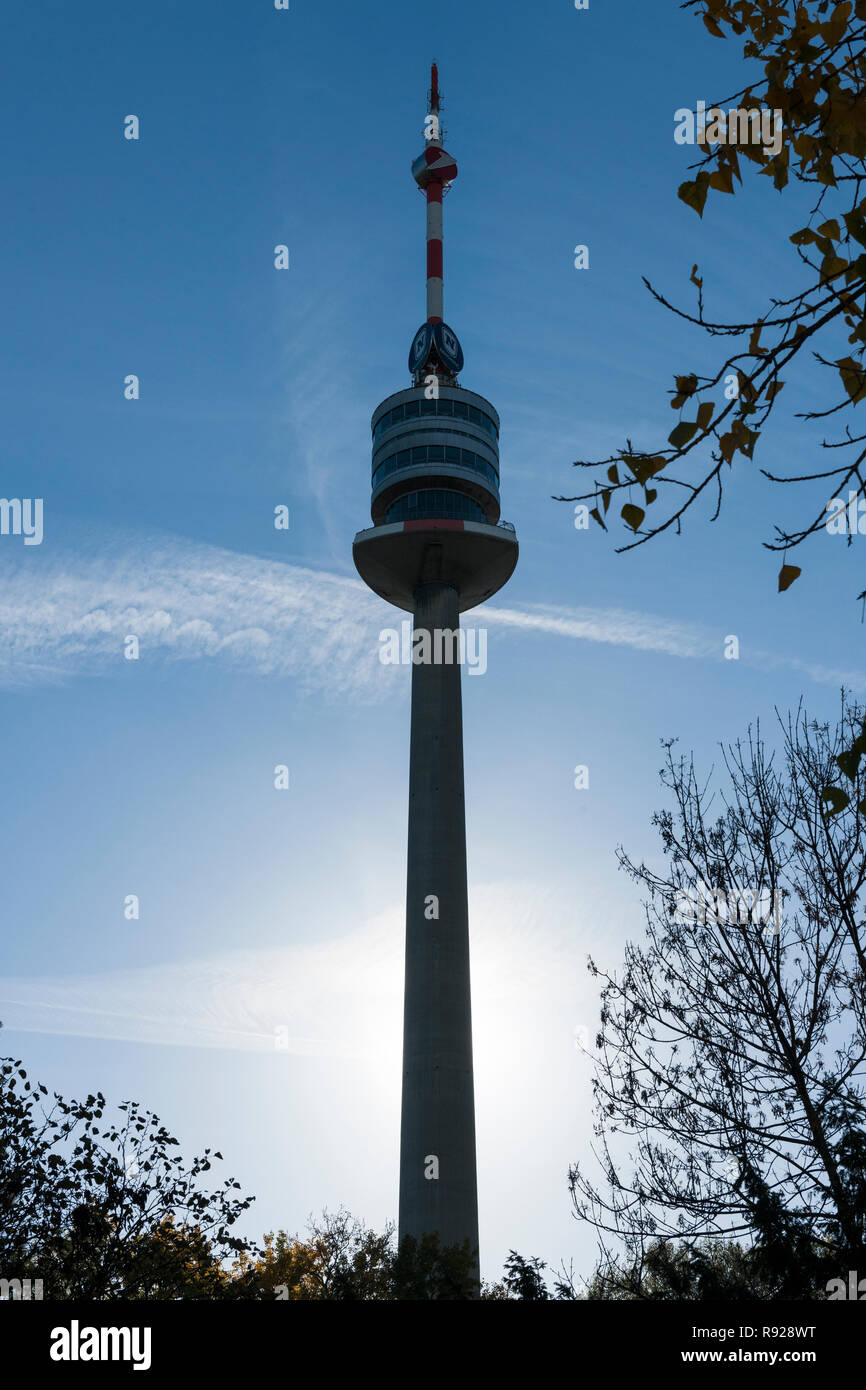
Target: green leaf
x: 644, y: 468
x: 836, y: 800
x: 848, y: 762
x: 831, y: 266
x: 856, y: 227
x: 682, y: 433
x: 856, y: 270
x: 694, y: 194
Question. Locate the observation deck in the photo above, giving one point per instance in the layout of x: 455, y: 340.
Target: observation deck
x: 435, y: 499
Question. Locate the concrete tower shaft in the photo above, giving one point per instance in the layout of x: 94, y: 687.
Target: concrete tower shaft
x: 438, y: 1114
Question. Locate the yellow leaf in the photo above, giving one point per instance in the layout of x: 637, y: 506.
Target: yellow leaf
x: 694, y: 193
x: 722, y: 179
x: 831, y: 266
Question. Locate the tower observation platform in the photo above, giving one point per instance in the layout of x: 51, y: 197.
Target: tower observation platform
x: 437, y: 547
x: 435, y: 498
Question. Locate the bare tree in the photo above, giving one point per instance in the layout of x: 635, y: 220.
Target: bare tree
x: 730, y: 1059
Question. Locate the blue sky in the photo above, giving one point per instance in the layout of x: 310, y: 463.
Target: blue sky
x: 263, y: 909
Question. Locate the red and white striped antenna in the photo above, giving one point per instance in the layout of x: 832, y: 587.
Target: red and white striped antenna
x: 434, y: 171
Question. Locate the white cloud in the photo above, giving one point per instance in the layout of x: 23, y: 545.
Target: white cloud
x: 66, y: 615
x: 69, y: 615
x: 617, y: 626
x: 645, y: 632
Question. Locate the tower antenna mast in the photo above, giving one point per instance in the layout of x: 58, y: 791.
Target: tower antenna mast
x: 434, y: 172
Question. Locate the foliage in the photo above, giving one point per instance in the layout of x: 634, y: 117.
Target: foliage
x: 107, y: 1210
x: 342, y: 1259
x: 814, y: 66
x: 715, y: 1271
x: 100, y: 1209
x: 812, y: 60
x: 524, y: 1280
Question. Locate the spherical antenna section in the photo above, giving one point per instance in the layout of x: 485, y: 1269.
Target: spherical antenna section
x: 435, y: 165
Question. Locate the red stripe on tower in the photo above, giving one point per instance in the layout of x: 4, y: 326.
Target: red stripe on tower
x: 434, y: 170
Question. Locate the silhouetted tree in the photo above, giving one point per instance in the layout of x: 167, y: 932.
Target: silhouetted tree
x: 718, y: 1271
x: 102, y: 1209
x: 729, y: 1065
x: 523, y: 1278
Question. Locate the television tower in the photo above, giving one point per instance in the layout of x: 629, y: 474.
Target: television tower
x: 436, y: 548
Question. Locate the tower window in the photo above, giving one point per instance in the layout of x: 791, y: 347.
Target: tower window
x: 411, y: 410
x: 434, y: 502
x: 435, y: 453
